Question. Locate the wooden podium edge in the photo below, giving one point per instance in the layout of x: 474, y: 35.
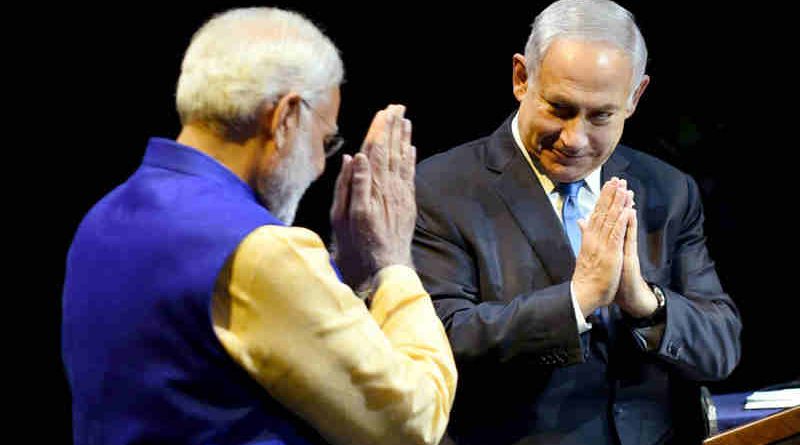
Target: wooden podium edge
x: 780, y: 425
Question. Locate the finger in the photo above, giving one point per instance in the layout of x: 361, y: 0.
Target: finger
x: 374, y: 131
x: 409, y: 163
x: 598, y: 216
x: 615, y: 218
x: 406, y: 132
x: 341, y: 193
x: 406, y: 151
x: 607, y: 192
x: 583, y: 225
x: 616, y: 237
x: 361, y: 187
x: 377, y: 154
x: 631, y: 235
x: 396, y: 110
x: 396, y: 138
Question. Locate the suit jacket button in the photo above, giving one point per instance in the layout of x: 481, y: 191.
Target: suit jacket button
x: 673, y: 349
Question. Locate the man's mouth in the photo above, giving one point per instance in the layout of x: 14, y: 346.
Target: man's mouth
x: 566, y: 157
x: 567, y: 154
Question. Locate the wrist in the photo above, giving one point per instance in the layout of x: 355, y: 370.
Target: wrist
x: 402, y: 258
x: 587, y: 301
x: 655, y: 315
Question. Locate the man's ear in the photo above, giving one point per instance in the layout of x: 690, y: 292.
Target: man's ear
x: 520, y: 76
x: 638, y: 94
x: 284, y: 119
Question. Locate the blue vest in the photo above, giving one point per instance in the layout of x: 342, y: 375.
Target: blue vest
x: 142, y: 359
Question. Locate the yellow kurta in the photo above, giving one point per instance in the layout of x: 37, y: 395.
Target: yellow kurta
x: 380, y: 376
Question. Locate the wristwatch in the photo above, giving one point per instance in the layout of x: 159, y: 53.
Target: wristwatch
x: 658, y: 315
x: 662, y: 301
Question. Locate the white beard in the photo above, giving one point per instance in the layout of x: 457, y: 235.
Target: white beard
x: 284, y: 188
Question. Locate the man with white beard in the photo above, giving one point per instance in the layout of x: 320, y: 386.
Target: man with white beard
x: 193, y: 312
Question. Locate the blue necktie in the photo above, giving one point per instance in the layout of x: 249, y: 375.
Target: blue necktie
x: 570, y: 214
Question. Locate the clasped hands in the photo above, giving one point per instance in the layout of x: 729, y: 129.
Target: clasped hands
x: 374, y: 208
x: 607, y: 268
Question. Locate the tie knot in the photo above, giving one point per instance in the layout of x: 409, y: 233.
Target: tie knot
x: 570, y: 189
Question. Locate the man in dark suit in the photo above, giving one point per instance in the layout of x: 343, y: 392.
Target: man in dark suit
x: 571, y: 272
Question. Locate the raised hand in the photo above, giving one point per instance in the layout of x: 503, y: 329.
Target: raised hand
x: 598, y: 267
x: 374, y: 210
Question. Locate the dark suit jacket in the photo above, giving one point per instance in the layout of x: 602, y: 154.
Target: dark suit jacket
x: 494, y: 257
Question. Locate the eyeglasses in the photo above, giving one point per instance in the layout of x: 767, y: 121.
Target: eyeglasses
x: 333, y: 142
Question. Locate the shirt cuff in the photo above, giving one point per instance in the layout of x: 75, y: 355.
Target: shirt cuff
x: 580, y: 319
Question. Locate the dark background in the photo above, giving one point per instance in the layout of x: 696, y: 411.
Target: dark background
x: 713, y: 108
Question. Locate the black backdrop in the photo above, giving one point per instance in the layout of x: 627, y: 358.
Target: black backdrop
x: 713, y: 108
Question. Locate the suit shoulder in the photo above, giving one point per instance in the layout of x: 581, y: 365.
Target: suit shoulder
x: 460, y: 163
x: 647, y: 166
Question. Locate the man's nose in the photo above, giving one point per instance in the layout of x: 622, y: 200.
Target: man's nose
x: 573, y: 134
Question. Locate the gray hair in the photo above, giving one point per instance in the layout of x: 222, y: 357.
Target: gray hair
x: 592, y: 20
x: 243, y: 59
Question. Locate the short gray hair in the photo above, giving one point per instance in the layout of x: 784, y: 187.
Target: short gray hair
x: 245, y: 58
x: 592, y: 20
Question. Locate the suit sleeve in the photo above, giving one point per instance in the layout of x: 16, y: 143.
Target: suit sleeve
x: 701, y: 337
x: 359, y: 377
x: 538, y: 326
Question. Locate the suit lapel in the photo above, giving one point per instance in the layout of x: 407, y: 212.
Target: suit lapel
x: 617, y: 165
x: 526, y: 200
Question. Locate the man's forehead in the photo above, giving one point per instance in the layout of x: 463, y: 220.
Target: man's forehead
x: 585, y: 67
x: 596, y: 54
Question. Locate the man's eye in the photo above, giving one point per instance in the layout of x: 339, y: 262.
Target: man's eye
x: 560, y: 110
x: 602, y: 117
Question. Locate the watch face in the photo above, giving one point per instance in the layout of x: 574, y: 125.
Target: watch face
x: 659, y: 295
